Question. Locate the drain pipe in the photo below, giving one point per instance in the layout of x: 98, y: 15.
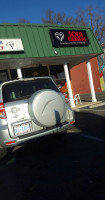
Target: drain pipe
x: 72, y: 104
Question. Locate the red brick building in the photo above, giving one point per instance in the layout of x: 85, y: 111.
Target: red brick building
x: 79, y: 77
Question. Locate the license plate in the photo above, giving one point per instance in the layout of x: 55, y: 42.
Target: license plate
x: 22, y: 129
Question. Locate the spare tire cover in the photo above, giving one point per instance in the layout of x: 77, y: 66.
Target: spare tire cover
x: 46, y: 108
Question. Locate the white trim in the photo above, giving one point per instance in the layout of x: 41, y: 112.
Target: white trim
x: 72, y: 104
x: 91, y: 82
x: 19, y: 73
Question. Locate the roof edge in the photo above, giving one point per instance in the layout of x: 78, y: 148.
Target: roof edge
x: 44, y: 25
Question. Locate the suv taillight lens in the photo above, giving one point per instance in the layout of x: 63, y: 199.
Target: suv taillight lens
x: 2, y: 111
x: 66, y: 98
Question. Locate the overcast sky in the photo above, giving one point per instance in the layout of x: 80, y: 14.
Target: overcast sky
x: 11, y: 11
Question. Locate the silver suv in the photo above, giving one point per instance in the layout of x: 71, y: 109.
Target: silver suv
x: 30, y: 108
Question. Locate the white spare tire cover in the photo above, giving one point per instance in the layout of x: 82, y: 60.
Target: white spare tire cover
x: 46, y: 108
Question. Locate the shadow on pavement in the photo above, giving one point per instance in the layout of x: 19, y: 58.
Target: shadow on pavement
x: 50, y: 168
x: 90, y: 123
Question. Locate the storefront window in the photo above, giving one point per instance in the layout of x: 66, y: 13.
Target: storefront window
x: 34, y: 71
x: 13, y: 73
x: 3, y: 75
x: 57, y: 73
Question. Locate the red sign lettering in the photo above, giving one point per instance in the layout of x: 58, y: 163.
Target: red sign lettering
x: 76, y: 36
x: 1, y: 48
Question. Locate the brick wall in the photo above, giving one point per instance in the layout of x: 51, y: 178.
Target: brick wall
x: 79, y: 77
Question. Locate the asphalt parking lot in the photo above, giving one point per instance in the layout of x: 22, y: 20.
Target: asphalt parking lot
x: 70, y: 167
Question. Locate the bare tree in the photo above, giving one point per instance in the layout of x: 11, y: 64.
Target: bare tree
x: 23, y: 20
x: 49, y: 17
x: 56, y: 18
x: 92, y: 17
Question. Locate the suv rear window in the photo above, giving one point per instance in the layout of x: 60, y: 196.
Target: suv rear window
x: 25, y: 88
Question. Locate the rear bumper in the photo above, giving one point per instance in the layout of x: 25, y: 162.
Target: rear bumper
x: 6, y: 141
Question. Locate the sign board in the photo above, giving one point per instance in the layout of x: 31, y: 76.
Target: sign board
x: 7, y: 45
x: 68, y: 38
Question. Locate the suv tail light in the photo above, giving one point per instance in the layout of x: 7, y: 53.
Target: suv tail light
x: 72, y: 122
x: 2, y: 111
x: 66, y: 98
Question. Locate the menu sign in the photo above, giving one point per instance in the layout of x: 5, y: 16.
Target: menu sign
x: 68, y: 38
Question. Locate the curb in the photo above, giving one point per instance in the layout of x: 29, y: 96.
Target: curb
x: 88, y: 105
x: 97, y: 105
